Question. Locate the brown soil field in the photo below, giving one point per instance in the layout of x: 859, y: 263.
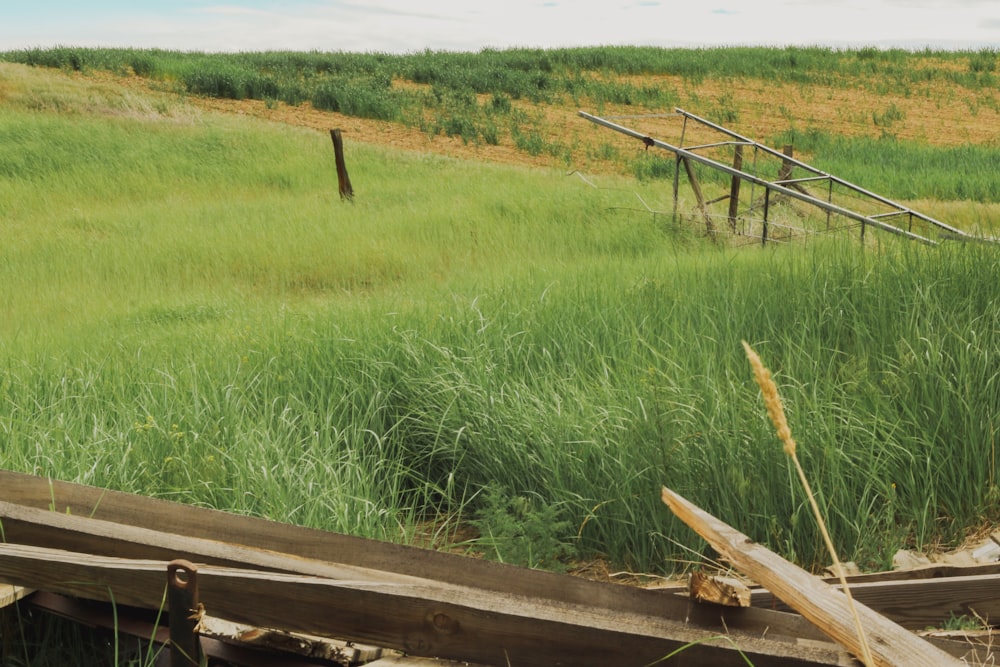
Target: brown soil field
x: 932, y: 113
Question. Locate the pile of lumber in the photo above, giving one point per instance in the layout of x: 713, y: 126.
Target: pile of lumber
x: 347, y: 600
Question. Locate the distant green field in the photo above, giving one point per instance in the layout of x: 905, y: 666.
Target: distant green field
x: 474, y: 95
x: 190, y: 312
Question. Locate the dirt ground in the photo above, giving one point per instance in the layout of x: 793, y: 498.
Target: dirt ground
x: 933, y: 113
x: 939, y: 117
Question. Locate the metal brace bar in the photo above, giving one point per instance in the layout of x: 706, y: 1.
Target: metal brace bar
x: 794, y: 194
x: 814, y: 170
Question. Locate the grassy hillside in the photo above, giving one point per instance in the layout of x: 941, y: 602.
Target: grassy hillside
x: 909, y: 125
x: 191, y: 312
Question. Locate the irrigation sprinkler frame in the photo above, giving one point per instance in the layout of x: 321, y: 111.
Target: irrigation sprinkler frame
x: 789, y: 187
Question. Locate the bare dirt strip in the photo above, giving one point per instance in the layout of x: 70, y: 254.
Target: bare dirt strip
x: 933, y: 113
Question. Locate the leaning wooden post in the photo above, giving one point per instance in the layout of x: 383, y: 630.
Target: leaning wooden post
x: 343, y: 180
x: 767, y: 205
x: 677, y: 184
x: 829, y: 199
x: 891, y: 645
x: 786, y: 166
x: 696, y: 187
x: 734, y: 189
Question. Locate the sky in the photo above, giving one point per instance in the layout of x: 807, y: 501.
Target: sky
x: 402, y: 26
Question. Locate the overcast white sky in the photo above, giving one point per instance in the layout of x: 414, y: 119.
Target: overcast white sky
x: 401, y: 26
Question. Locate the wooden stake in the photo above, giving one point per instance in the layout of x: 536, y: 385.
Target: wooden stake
x: 734, y: 189
x: 343, y: 180
x: 696, y: 187
x: 786, y: 165
x: 891, y: 645
x: 767, y: 205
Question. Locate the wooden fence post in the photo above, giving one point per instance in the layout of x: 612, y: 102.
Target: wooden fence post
x: 767, y: 205
x: 693, y: 180
x: 343, y: 180
x: 734, y: 189
x: 786, y: 167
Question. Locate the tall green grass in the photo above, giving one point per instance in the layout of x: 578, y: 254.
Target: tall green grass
x: 191, y: 312
x: 528, y: 73
x: 903, y: 169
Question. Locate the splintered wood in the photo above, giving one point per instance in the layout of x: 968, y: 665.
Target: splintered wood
x: 424, y: 603
x: 716, y: 589
x: 891, y: 644
x: 318, y: 591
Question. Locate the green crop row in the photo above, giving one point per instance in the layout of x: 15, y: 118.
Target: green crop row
x: 536, y: 73
x: 903, y: 169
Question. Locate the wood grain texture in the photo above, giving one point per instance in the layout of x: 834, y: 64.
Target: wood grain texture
x: 121, y: 525
x: 10, y: 594
x: 495, y: 631
x: 890, y: 644
x: 716, y: 589
x: 920, y: 603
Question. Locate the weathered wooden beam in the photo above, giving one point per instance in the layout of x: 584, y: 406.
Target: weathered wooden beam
x: 918, y: 603
x: 890, y: 644
x: 10, y: 594
x: 410, y: 661
x: 142, y: 624
x: 34, y: 527
x: 497, y: 631
x: 120, y: 527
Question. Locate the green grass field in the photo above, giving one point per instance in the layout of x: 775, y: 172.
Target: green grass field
x: 191, y: 313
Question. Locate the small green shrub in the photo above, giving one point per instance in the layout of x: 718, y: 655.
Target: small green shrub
x: 530, y: 142
x: 523, y: 531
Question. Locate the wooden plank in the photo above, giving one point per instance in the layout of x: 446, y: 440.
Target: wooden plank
x: 410, y: 661
x: 119, y: 528
x: 30, y: 526
x: 11, y: 594
x: 934, y: 571
x: 289, y: 643
x: 196, y: 522
x: 919, y: 603
x: 890, y: 644
x: 498, y: 631
x: 138, y: 623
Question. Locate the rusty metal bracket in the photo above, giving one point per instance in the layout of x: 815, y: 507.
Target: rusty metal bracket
x: 184, y: 614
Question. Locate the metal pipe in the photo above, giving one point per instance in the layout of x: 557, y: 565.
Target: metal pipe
x: 803, y: 180
x: 717, y: 144
x: 813, y: 169
x: 794, y: 194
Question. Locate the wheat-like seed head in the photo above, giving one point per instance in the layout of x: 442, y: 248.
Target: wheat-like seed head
x: 772, y: 400
x: 776, y: 412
